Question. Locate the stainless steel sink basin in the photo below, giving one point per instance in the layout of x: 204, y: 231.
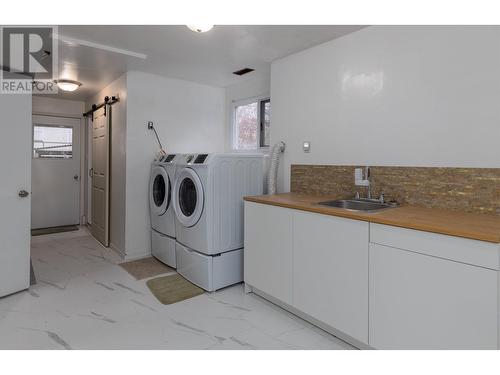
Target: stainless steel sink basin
x: 358, y: 204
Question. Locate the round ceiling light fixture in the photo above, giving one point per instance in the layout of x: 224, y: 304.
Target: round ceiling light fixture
x: 200, y: 28
x: 67, y: 84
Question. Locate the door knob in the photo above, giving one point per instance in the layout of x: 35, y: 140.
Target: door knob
x: 91, y: 172
x: 75, y: 177
x: 23, y: 193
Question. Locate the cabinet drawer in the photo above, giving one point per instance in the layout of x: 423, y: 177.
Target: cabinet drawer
x: 210, y: 272
x: 478, y: 253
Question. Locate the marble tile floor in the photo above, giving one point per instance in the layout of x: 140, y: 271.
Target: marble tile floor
x: 83, y: 300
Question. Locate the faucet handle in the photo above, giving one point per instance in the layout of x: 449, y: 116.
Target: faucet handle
x: 381, y: 198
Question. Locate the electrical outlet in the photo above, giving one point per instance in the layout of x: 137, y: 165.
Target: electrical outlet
x: 306, y: 146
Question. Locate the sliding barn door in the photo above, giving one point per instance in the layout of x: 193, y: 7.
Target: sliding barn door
x: 100, y: 174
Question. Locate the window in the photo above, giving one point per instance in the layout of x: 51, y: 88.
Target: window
x: 55, y: 142
x: 265, y: 122
x: 251, y: 125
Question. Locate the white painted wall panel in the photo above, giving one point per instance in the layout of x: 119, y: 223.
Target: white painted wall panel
x: 189, y: 117
x: 391, y: 95
x: 53, y: 106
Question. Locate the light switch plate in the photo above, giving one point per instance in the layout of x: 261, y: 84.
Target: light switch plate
x: 306, y: 146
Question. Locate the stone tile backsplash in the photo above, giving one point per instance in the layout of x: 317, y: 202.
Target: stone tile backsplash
x: 466, y: 189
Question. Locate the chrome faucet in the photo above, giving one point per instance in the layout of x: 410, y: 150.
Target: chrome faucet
x: 368, y: 177
x: 365, y: 179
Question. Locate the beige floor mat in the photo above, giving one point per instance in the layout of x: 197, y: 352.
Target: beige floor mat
x: 173, y: 288
x: 145, y: 268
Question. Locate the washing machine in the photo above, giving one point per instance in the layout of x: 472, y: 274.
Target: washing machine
x: 161, y: 183
x: 208, y: 203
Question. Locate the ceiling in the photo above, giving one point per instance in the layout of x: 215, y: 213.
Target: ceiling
x: 97, y: 55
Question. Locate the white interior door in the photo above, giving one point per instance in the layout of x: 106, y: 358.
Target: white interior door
x: 100, y: 174
x: 55, y: 172
x: 15, y: 186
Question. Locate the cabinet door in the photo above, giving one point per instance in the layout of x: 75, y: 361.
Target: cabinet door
x: 268, y: 249
x: 330, y: 271
x: 423, y: 302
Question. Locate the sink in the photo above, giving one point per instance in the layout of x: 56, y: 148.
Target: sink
x: 358, y: 204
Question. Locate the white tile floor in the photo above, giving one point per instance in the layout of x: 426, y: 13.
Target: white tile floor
x: 83, y: 300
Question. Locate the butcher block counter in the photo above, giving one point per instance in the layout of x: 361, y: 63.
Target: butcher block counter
x: 454, y: 223
x: 400, y: 278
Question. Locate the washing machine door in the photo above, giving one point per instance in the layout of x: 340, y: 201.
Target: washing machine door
x: 189, y: 199
x: 159, y: 190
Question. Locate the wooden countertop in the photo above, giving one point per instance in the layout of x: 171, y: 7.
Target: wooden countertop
x: 454, y: 223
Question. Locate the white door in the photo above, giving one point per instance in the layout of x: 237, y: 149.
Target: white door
x: 330, y: 271
x: 268, y: 250
x: 55, y: 172
x: 15, y: 186
x: 100, y: 175
x: 422, y: 302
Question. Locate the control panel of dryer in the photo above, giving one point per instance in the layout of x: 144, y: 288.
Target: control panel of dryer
x: 200, y: 158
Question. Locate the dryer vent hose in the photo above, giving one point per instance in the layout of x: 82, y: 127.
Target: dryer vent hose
x: 272, y: 177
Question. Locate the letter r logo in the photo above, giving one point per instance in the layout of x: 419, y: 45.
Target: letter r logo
x: 28, y: 50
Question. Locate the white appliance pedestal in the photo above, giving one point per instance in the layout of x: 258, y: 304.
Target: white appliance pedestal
x: 163, y: 248
x: 210, y: 272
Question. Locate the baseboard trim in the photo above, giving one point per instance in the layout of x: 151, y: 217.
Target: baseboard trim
x: 138, y: 256
x: 117, y: 250
x: 325, y: 327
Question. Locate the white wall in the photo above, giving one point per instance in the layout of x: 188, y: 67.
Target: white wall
x: 118, y: 159
x: 53, y: 106
x: 189, y: 117
x: 414, y: 96
x: 257, y: 86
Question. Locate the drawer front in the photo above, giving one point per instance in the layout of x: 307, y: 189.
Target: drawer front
x: 194, y: 266
x: 163, y: 248
x: 477, y: 253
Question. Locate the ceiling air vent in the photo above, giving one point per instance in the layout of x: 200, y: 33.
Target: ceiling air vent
x: 243, y: 71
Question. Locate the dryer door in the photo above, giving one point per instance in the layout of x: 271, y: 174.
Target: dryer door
x: 159, y: 190
x: 189, y: 199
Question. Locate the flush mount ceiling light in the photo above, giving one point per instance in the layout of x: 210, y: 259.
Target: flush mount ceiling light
x: 200, y: 28
x: 67, y: 84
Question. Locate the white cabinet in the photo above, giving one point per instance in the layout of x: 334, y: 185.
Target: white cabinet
x: 419, y: 301
x: 379, y: 285
x: 330, y: 271
x: 268, y: 250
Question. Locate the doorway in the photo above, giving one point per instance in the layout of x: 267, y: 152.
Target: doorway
x: 55, y: 172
